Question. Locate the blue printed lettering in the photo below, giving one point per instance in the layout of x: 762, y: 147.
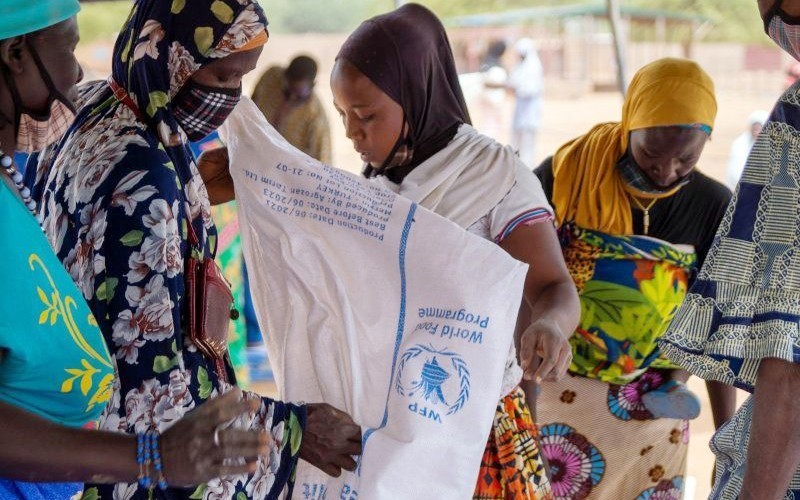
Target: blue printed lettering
x: 348, y: 493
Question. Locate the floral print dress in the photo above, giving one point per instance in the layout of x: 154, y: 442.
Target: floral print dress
x: 119, y: 193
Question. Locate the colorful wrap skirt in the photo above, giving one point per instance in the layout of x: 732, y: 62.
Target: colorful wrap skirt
x: 512, y: 466
x: 601, y: 443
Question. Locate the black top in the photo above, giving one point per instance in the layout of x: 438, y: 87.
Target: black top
x: 689, y: 217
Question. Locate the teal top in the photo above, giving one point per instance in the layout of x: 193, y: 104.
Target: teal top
x: 54, y: 361
x: 19, y: 17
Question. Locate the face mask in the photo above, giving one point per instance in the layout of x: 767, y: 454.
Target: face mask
x: 201, y: 110
x: 637, y: 182
x: 35, y: 132
x: 402, y: 153
x: 783, y: 29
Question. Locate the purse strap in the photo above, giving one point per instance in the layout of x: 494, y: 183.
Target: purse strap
x: 122, y: 95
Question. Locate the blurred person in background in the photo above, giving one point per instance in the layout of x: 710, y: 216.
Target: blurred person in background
x: 288, y: 101
x: 527, y: 84
x: 741, y: 146
x: 493, y: 97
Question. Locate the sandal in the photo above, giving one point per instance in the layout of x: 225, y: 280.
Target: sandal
x: 672, y: 400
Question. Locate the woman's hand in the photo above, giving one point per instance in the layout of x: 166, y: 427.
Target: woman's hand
x: 551, y: 299
x: 330, y: 439
x: 192, y: 455
x: 544, y: 339
x: 214, y: 169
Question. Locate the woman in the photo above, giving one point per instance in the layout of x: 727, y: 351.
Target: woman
x: 396, y: 88
x: 635, y: 219
x: 128, y: 215
x: 55, y: 371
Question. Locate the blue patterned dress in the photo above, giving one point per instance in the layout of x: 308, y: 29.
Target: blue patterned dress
x: 120, y: 191
x: 745, y: 305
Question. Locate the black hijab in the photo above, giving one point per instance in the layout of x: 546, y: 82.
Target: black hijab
x: 407, y: 55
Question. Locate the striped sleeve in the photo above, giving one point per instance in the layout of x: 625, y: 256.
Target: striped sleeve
x: 524, y: 205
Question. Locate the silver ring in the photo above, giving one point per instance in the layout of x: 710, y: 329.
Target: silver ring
x: 216, y: 437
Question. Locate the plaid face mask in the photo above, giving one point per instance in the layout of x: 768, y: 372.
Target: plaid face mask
x: 201, y: 110
x: 34, y: 131
x: 638, y: 183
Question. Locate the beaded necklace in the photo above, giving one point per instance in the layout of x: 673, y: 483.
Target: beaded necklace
x: 7, y: 164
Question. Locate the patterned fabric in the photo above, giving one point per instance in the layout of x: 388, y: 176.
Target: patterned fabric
x: 729, y: 444
x: 785, y: 34
x: 11, y: 490
x: 120, y: 195
x: 601, y: 443
x: 305, y: 126
x: 200, y: 110
x: 231, y: 261
x: 745, y: 305
x: 55, y: 362
x: 512, y: 465
x: 527, y: 218
x: 629, y: 288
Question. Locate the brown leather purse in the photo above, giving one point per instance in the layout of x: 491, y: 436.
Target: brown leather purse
x: 210, y: 307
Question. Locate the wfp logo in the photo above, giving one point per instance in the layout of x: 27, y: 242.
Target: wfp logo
x: 436, y: 380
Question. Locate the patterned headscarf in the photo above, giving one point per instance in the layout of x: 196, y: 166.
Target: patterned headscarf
x: 164, y: 42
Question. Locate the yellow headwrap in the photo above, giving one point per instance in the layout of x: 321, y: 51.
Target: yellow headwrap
x: 587, y: 189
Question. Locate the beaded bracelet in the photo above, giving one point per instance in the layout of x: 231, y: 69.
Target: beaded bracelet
x: 144, y: 468
x: 147, y: 454
x: 147, y: 482
x: 162, y: 482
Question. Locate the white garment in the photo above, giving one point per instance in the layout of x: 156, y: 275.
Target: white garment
x: 453, y: 182
x: 527, y: 80
x: 378, y: 307
x: 740, y: 150
x: 483, y: 187
x: 495, y: 76
x: 524, y: 141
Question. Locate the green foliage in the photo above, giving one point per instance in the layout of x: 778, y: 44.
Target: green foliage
x: 734, y: 20
x: 102, y: 20
x: 321, y: 16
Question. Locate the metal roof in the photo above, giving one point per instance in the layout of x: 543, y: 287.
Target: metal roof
x: 533, y: 14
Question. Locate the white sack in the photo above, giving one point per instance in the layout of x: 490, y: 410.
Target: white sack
x: 378, y: 307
